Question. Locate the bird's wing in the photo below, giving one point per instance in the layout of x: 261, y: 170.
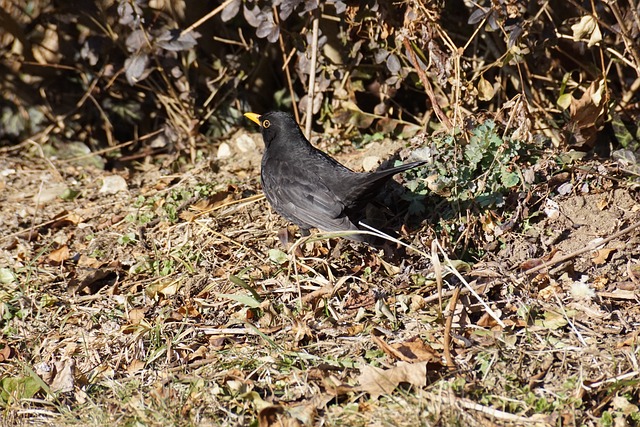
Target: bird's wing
x: 302, y: 197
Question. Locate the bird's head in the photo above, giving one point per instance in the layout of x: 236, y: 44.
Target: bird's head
x: 277, y: 126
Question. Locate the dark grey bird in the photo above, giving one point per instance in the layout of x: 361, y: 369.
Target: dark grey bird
x: 307, y: 186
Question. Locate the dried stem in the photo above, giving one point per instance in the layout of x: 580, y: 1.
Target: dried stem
x: 427, y: 85
x: 312, y: 73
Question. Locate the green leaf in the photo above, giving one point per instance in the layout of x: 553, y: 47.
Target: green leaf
x: 247, y: 300
x: 7, y: 276
x: 277, y: 256
x: 18, y: 388
x: 510, y: 179
x: 552, y: 320
x: 238, y: 281
x: 564, y: 100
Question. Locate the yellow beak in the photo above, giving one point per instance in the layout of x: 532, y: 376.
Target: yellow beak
x: 253, y: 117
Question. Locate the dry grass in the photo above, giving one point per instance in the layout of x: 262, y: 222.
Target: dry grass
x: 171, y: 301
x: 173, y: 307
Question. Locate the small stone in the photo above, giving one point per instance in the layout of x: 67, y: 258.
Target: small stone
x: 224, y: 151
x: 245, y: 143
x: 112, y: 184
x: 369, y: 163
x: 50, y: 193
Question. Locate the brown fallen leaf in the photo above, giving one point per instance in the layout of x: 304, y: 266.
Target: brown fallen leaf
x: 601, y: 255
x: 65, y: 218
x: 200, y: 353
x: 136, y: 315
x: 91, y: 280
x: 64, y: 379
x: 602, y: 204
x: 335, y: 387
x: 534, y: 262
x: 188, y: 311
x: 187, y: 216
x: 275, y: 415
x: 85, y: 261
x: 587, y: 115
x: 214, y: 201
x: 412, y: 350
x: 376, y: 381
x: 59, y: 255
x: 135, y: 366
x: 165, y: 289
x: 486, y: 321
x: 6, y: 353
x: 631, y: 339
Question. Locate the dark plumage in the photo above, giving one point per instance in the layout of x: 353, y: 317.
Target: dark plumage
x: 308, y: 187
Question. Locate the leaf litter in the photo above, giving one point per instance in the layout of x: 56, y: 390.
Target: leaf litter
x: 172, y: 301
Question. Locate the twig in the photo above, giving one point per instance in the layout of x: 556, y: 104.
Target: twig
x: 427, y: 85
x: 574, y: 254
x: 312, y: 73
x: 112, y: 148
x: 285, y: 66
x: 628, y: 41
x: 447, y: 329
x: 437, y: 271
x: 622, y: 377
x: 206, y: 17
x: 452, y: 269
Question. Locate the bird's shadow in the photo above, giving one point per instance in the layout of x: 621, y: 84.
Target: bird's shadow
x: 389, y: 210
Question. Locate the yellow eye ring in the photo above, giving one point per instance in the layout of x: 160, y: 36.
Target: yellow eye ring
x: 266, y: 124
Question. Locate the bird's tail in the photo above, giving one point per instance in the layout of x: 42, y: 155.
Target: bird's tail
x: 370, y: 183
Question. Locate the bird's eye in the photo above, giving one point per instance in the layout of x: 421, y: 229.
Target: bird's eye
x: 266, y: 124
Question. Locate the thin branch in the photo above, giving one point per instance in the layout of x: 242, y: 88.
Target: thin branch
x: 205, y: 18
x: 285, y: 66
x: 312, y: 74
x: 427, y: 85
x: 589, y: 248
x: 447, y: 329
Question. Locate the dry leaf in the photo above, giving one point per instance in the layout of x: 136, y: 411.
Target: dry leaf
x: 601, y: 255
x: 588, y: 26
x: 412, y: 350
x: 602, y: 204
x: 486, y: 321
x: 630, y: 340
x: 335, y: 387
x: 185, y: 312
x: 587, y: 115
x: 85, y: 261
x: 94, y: 278
x: 275, y: 416
x: 6, y: 353
x: 59, y: 255
x: 376, y: 381
x: 418, y: 350
x: 212, y: 202
x: 136, y: 315
x: 200, y: 353
x: 485, y: 90
x: 164, y: 289
x: 135, y: 366
x: 65, y: 218
x: 187, y: 216
x: 64, y: 380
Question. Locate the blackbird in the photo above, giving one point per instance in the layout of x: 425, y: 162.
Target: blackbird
x: 307, y: 186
